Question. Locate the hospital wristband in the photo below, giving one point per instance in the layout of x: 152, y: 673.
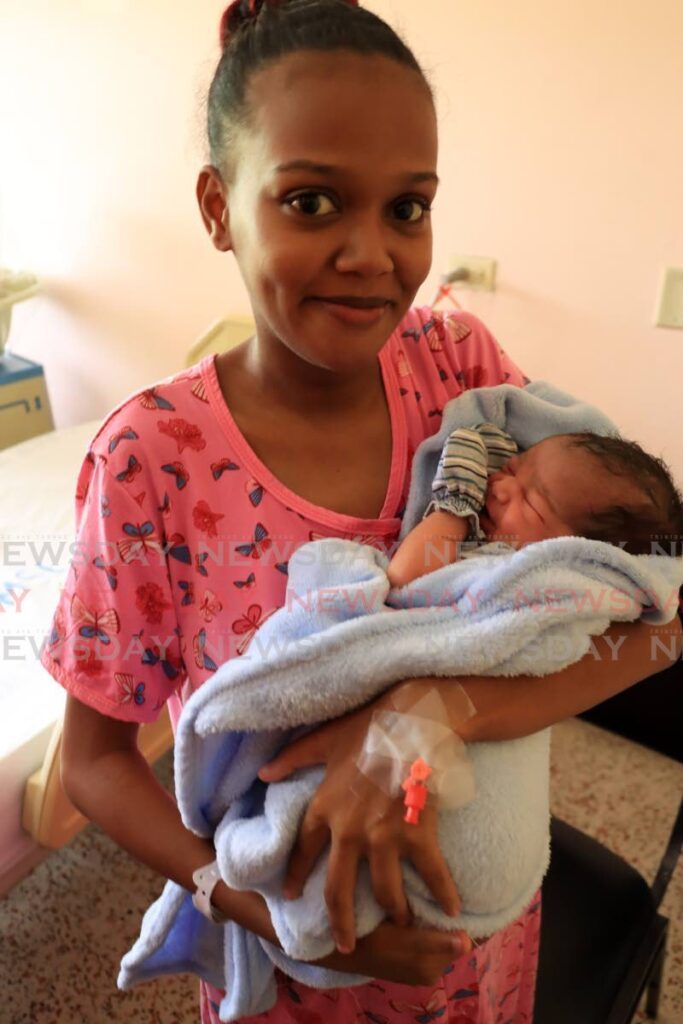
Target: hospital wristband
x: 206, y: 879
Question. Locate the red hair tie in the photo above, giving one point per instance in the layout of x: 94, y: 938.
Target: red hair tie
x: 224, y: 32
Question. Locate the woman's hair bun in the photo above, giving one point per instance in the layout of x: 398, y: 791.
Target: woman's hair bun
x: 241, y: 11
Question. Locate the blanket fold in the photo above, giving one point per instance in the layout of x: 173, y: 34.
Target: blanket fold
x: 341, y: 638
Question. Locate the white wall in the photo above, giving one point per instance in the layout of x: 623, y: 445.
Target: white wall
x: 561, y: 156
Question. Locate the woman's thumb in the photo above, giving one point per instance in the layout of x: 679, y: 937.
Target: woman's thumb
x: 304, y: 752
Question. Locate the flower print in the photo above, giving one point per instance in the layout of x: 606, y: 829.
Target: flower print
x: 151, y: 399
x: 151, y: 603
x: 186, y: 435
x: 210, y: 606
x: 88, y: 663
x: 204, y: 519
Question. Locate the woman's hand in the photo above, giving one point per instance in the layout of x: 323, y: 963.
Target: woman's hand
x: 358, y: 820
x: 413, y: 956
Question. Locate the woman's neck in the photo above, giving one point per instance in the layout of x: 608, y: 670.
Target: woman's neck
x: 288, y: 382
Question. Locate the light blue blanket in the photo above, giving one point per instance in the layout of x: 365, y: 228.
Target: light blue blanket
x: 342, y: 638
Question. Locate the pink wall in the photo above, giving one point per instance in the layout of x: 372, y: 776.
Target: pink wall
x: 561, y: 156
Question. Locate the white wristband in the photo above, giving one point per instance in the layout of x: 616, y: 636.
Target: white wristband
x: 206, y: 879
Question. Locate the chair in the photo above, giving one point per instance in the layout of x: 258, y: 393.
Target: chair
x: 603, y: 940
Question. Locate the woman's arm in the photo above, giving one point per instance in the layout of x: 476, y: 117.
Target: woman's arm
x: 507, y: 708
x: 358, y: 820
x: 110, y: 782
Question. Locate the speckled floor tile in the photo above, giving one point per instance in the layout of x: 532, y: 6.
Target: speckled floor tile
x: 65, y: 927
x: 627, y: 797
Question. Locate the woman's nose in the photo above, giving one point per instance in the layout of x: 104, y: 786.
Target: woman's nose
x: 365, y: 249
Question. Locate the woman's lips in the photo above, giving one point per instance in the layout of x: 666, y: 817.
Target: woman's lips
x: 353, y: 314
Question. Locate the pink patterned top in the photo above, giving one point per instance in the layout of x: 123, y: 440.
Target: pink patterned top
x: 183, y: 539
x: 183, y: 534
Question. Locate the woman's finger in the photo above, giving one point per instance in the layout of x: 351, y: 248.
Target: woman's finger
x: 430, y: 864
x: 311, y: 841
x: 310, y: 749
x: 387, y: 882
x: 340, y: 890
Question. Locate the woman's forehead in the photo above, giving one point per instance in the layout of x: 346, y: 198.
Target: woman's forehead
x: 342, y: 108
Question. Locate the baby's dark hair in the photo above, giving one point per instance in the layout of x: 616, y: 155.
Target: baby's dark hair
x: 255, y: 32
x: 654, y: 525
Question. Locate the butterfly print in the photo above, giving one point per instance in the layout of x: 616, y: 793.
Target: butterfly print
x: 82, y: 489
x: 210, y: 606
x: 188, y: 587
x: 472, y: 376
x: 165, y: 507
x: 130, y: 472
x: 426, y: 1012
x: 402, y: 365
x: 260, y: 544
x: 92, y: 624
x: 110, y: 571
x: 186, y: 435
x: 199, y: 563
x: 178, y: 549
x: 200, y: 656
x: 129, y: 691
x: 143, y: 539
x: 126, y: 434
x: 199, y: 390
x: 105, y: 509
x: 247, y: 625
x: 221, y: 467
x: 170, y: 664
x: 282, y: 567
x: 178, y: 471
x: 249, y: 582
x: 254, y: 491
x: 151, y: 399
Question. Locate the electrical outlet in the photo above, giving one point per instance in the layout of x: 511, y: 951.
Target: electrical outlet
x: 670, y: 305
x: 480, y: 271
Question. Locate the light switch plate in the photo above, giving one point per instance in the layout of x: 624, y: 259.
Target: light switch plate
x: 670, y: 305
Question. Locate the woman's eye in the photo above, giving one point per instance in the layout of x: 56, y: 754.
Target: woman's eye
x: 423, y: 209
x: 308, y: 200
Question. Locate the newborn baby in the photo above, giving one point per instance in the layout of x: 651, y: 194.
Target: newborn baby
x: 485, y: 490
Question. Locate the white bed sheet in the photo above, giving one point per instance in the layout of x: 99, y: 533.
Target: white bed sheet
x: 36, y: 531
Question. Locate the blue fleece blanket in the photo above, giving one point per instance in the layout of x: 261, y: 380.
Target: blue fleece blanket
x: 342, y: 637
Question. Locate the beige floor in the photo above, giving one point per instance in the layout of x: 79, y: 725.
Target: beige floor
x: 65, y: 927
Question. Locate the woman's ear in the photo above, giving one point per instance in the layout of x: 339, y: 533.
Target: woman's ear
x: 213, y: 207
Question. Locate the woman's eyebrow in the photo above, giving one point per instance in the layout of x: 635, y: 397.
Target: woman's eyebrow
x: 328, y: 169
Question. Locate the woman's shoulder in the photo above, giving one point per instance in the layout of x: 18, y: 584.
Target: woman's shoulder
x: 451, y: 344
x: 175, y: 403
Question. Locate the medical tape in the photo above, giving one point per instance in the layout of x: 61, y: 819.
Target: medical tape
x: 396, y: 739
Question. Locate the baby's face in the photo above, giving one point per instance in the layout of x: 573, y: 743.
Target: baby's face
x: 542, y: 492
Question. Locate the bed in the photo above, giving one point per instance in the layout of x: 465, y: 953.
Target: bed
x: 36, y: 531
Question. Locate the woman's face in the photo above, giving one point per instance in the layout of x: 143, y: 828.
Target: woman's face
x: 359, y: 230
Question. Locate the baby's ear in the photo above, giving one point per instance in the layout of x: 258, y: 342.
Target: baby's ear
x: 213, y: 207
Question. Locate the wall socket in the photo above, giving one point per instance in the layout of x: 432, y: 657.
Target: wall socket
x: 670, y: 306
x: 480, y: 270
